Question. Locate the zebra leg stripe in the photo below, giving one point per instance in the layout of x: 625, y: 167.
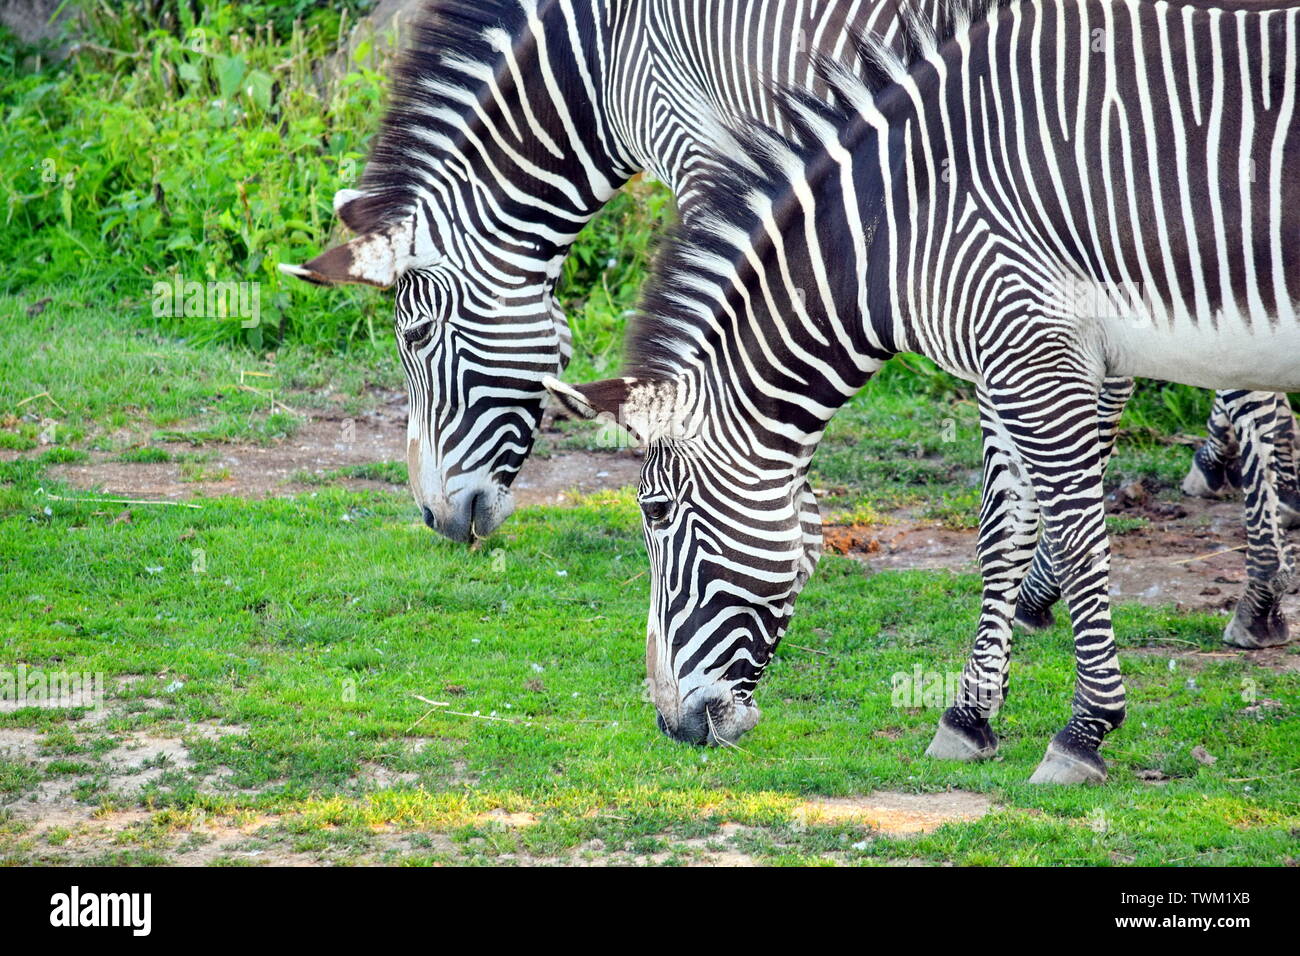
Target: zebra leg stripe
x: 1258, y: 620
x: 1040, y: 590
x: 1054, y: 429
x: 1008, y: 535
x: 810, y: 519
x: 1288, y: 469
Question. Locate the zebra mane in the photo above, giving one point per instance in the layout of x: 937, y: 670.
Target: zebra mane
x: 753, y: 166
x: 442, y: 29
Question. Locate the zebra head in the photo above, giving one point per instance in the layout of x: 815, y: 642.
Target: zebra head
x: 495, y: 151
x: 731, y: 543
x: 475, y: 344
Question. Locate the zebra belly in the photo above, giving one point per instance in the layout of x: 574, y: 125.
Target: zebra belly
x: 1263, y: 357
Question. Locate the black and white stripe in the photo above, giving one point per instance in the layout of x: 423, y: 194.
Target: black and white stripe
x: 953, y: 203
x: 512, y: 122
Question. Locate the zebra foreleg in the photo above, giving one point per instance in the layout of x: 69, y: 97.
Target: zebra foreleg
x: 810, y: 519
x: 1258, y: 620
x: 1053, y: 424
x: 1008, y: 533
x: 1040, y: 590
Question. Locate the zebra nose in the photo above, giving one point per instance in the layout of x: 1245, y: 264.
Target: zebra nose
x: 469, y: 513
x: 716, y: 720
x: 693, y: 728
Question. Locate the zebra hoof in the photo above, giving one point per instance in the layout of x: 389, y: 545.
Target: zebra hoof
x: 1033, y: 620
x: 964, y: 744
x: 1205, y: 480
x: 1063, y: 765
x: 1266, y: 630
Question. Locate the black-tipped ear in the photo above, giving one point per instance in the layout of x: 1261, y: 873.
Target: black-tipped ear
x: 378, y: 258
x: 647, y: 409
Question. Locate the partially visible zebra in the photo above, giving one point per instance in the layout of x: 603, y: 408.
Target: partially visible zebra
x: 1216, y: 471
x: 952, y: 204
x: 513, y: 122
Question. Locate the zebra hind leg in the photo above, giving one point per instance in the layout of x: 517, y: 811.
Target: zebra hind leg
x: 1041, y: 590
x: 1288, y: 469
x: 1008, y: 533
x: 1215, y: 471
x: 1258, y: 620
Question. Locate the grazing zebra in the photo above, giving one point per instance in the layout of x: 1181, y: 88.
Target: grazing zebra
x: 513, y: 122
x: 955, y: 201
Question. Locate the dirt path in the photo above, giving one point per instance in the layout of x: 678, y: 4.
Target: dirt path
x: 1188, y: 553
x: 330, y: 440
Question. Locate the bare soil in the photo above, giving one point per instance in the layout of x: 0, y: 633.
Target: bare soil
x: 327, y: 441
x: 1189, y: 554
x: 891, y: 813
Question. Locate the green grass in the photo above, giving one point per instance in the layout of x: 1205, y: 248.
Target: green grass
x: 311, y: 624
x: 317, y: 633
x: 56, y: 367
x: 391, y: 472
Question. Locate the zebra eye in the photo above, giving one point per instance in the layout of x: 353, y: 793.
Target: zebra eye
x: 417, y: 334
x: 656, y: 510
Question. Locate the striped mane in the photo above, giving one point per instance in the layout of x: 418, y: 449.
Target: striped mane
x: 422, y: 83
x: 754, y: 165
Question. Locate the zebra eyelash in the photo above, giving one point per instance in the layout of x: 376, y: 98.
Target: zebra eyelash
x: 656, y: 510
x: 417, y: 334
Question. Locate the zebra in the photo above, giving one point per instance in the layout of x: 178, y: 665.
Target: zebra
x: 513, y: 121
x: 952, y: 200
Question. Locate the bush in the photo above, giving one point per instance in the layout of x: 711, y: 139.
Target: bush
x: 208, y: 147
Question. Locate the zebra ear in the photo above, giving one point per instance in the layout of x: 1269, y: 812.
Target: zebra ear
x: 645, y: 409
x: 596, y: 400
x: 343, y: 208
x: 378, y: 258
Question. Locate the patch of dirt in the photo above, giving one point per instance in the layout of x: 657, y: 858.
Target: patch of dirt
x: 896, y: 814
x: 375, y: 776
x: 506, y: 819
x: 328, y: 441
x: 1189, y: 554
x: 126, y: 770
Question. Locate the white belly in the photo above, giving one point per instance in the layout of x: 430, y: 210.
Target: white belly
x: 1264, y: 356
